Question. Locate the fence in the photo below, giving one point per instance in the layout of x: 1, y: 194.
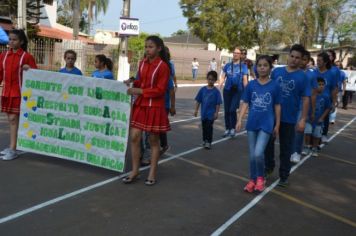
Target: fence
x: 49, y: 56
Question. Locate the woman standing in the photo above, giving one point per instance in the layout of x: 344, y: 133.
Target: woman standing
x: 235, y: 78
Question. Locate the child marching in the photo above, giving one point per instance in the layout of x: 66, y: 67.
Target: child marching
x: 209, y: 98
x: 12, y: 64
x: 263, y: 98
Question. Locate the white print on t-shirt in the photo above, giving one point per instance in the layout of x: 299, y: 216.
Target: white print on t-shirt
x: 260, y: 102
x: 287, y: 86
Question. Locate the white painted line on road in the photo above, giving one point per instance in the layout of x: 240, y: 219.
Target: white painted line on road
x: 258, y: 198
x: 194, y: 118
x: 97, y: 185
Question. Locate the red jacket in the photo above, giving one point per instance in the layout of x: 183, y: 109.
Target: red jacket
x: 11, y: 71
x: 153, y: 80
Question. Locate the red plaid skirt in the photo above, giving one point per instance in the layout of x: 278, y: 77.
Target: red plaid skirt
x: 10, y: 105
x: 150, y: 119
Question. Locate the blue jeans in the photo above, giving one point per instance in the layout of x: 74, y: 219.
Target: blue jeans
x: 195, y: 73
x: 231, y: 104
x: 257, y: 141
x: 286, y: 138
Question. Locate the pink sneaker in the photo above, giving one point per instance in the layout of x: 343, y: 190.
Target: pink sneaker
x: 250, y: 186
x: 260, y: 184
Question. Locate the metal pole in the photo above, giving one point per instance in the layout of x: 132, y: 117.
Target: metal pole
x: 21, y: 15
x: 124, y: 66
x: 76, y: 18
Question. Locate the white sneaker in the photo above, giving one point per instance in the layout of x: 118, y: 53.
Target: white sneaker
x: 10, y: 155
x: 5, y: 151
x: 295, y: 157
x: 232, y: 133
x: 314, y: 153
x: 324, y: 139
x: 227, y: 132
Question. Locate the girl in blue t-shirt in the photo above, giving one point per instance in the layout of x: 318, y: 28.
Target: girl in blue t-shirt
x: 70, y: 57
x: 104, y: 67
x: 209, y: 98
x: 263, y: 98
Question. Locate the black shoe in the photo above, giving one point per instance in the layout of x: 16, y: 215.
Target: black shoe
x: 283, y: 183
x: 268, y: 173
x: 129, y: 180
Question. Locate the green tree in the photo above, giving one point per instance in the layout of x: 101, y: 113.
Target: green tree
x: 225, y: 23
x: 179, y: 32
x: 137, y: 45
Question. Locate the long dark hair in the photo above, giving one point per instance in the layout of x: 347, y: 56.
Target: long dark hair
x: 267, y: 58
x: 159, y: 43
x: 106, y: 61
x: 22, y: 37
x: 326, y: 59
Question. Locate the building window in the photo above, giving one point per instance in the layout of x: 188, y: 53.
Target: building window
x: 48, y: 2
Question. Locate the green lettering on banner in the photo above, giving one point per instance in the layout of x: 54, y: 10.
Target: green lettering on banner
x: 74, y: 90
x: 107, y: 144
x: 107, y: 129
x: 44, y: 86
x: 101, y: 94
x: 56, y: 106
x: 61, y: 134
x: 105, y: 162
x: 51, y: 149
x: 50, y: 119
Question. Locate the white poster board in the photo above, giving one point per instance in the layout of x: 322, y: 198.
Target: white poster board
x: 75, y: 117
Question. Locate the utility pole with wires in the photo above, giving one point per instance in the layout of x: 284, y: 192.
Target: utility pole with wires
x: 21, y: 15
x: 124, y: 66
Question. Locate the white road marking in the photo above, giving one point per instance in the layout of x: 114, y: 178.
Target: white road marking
x: 97, y: 185
x: 258, y: 198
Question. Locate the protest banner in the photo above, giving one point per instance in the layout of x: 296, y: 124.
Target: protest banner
x: 74, y: 117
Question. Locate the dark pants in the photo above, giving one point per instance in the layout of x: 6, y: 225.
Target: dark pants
x: 345, y: 99
x: 326, y: 124
x: 231, y: 104
x: 163, y: 136
x: 207, y: 130
x: 286, y: 138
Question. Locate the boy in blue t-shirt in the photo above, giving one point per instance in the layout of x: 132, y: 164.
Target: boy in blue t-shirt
x: 70, y: 57
x: 295, y: 87
x: 314, y: 127
x: 209, y: 98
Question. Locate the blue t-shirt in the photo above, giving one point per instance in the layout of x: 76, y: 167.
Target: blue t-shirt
x: 261, y: 100
x: 4, y: 38
x: 294, y: 85
x: 330, y: 81
x: 208, y: 99
x: 313, y: 84
x: 173, y: 70
x: 74, y: 71
x: 106, y: 74
x: 234, y: 75
x: 321, y: 104
x: 341, y: 80
x: 167, y: 99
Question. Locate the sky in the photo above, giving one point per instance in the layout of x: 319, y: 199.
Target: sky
x: 156, y: 16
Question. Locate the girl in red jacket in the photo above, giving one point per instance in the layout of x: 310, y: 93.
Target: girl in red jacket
x: 12, y: 62
x: 148, y: 112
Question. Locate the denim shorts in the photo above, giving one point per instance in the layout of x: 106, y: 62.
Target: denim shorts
x: 314, y: 131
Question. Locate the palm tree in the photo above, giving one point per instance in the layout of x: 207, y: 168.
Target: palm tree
x: 94, y: 7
